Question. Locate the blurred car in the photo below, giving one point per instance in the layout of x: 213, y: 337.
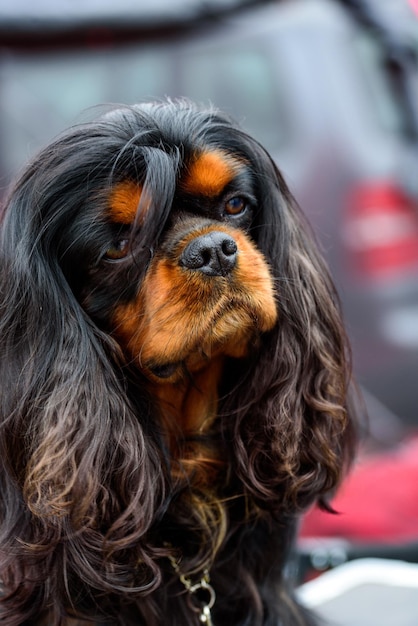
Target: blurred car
x: 320, y: 90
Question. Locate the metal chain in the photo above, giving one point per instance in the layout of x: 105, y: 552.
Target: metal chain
x: 204, y: 609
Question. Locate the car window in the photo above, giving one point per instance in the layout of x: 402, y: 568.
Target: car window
x: 242, y: 82
x: 381, y: 85
x: 42, y: 93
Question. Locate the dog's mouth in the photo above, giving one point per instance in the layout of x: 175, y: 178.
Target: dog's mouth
x: 194, y: 306
x: 166, y: 371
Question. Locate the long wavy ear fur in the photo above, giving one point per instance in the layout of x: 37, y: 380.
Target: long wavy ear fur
x: 291, y: 416
x: 75, y: 461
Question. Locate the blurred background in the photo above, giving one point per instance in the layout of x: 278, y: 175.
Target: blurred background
x: 330, y: 87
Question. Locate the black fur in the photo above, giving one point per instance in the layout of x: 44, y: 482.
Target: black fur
x: 91, y: 514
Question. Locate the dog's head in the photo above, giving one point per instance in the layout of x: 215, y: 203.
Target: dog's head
x: 166, y: 317
x: 207, y: 290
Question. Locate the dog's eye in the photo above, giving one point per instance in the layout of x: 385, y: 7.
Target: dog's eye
x: 118, y: 250
x: 236, y: 205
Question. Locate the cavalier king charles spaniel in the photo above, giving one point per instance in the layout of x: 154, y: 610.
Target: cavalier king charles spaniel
x: 174, y: 378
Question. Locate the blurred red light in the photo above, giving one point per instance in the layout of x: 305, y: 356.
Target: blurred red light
x: 414, y: 5
x: 381, y: 231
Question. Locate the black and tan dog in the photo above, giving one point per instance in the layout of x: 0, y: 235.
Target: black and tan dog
x: 173, y: 377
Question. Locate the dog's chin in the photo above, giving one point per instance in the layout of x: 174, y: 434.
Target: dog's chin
x: 230, y: 335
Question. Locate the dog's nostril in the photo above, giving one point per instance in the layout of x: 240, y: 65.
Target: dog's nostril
x: 229, y: 247
x: 214, y: 254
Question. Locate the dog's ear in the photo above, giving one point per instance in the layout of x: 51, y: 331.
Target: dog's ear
x: 71, y: 444
x: 294, y: 434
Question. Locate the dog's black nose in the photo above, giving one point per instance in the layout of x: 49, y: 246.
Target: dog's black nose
x: 214, y: 254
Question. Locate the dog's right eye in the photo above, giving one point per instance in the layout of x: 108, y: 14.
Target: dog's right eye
x: 118, y: 250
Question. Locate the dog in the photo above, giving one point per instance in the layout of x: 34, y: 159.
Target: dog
x: 175, y: 377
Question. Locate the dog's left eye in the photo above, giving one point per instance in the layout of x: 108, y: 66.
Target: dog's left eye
x: 236, y: 205
x: 118, y: 250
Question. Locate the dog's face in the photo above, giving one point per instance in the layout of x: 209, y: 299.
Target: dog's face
x: 207, y: 290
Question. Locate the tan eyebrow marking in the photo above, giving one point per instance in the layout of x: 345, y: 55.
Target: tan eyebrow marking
x: 210, y: 172
x: 124, y: 201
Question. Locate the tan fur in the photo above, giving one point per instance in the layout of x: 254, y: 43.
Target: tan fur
x: 124, y: 202
x: 210, y: 173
